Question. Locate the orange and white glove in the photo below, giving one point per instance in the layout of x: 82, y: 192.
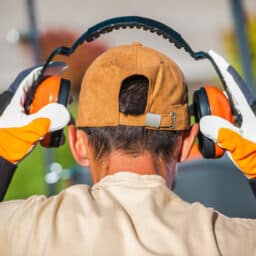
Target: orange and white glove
x: 239, y: 142
x: 19, y: 132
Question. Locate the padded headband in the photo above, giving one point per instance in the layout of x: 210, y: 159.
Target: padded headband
x: 146, y: 24
x: 125, y: 22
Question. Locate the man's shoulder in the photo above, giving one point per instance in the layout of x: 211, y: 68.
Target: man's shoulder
x: 72, y: 195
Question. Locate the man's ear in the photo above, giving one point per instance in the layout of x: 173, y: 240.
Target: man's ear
x: 188, y: 141
x: 78, y: 143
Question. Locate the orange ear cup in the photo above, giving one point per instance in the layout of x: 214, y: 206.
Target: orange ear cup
x: 47, y: 92
x: 219, y: 106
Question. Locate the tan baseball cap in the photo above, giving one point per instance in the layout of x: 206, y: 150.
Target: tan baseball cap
x: 166, y: 107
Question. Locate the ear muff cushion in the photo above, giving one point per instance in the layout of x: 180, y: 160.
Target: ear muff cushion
x: 63, y: 97
x: 211, y: 101
x: 201, y: 108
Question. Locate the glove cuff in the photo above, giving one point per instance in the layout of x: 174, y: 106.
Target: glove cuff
x: 6, y: 172
x: 252, y: 183
x: 5, y: 99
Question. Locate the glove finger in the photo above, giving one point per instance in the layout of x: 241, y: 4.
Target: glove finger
x: 57, y: 113
x: 231, y: 78
x: 240, y: 150
x: 211, y: 125
x: 16, y: 102
x: 54, y: 68
x: 17, y: 142
x: 16, y: 83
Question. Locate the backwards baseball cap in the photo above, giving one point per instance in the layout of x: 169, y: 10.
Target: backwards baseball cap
x: 166, y: 106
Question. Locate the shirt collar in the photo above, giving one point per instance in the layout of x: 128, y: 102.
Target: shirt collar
x: 131, y: 179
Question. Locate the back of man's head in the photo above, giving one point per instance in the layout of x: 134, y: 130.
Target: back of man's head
x: 133, y: 99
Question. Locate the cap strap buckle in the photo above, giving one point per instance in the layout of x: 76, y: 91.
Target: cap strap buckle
x: 153, y: 120
x: 173, y: 117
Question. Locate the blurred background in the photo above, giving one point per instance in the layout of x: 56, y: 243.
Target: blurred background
x: 31, y: 29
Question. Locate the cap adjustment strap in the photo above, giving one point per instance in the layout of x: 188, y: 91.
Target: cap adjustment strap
x: 153, y: 120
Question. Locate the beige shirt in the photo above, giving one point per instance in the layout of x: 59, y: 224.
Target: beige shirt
x: 124, y: 214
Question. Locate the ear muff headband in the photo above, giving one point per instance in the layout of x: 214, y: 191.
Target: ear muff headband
x: 146, y: 24
x: 138, y: 22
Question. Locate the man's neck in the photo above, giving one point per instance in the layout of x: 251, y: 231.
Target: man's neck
x: 118, y: 161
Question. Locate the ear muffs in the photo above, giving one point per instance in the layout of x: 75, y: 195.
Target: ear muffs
x: 52, y: 89
x: 206, y: 101
x: 210, y: 101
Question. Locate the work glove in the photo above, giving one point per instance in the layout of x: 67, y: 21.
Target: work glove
x: 20, y: 132
x: 240, y: 142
